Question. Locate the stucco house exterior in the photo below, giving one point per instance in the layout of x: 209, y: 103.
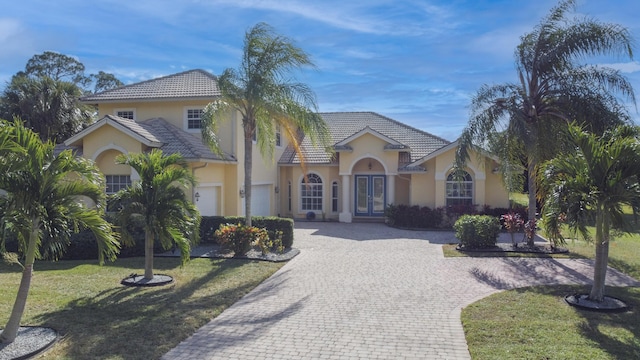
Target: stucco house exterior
x: 376, y: 160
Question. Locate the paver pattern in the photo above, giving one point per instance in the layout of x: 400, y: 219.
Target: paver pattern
x: 367, y: 291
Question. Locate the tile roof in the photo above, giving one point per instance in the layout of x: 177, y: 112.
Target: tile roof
x: 157, y: 133
x: 176, y: 141
x: 343, y: 125
x: 189, y: 84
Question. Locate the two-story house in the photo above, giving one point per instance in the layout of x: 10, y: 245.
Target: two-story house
x: 377, y: 160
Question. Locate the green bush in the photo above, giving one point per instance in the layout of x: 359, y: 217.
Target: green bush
x: 477, y: 231
x: 414, y: 217
x: 273, y: 224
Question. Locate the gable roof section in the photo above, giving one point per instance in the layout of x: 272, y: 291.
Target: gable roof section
x: 127, y: 126
x: 192, y: 84
x: 391, y: 143
x: 348, y: 125
x: 155, y: 133
x: 177, y: 141
x: 448, y: 147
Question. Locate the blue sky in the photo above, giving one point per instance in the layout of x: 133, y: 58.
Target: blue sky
x: 416, y: 61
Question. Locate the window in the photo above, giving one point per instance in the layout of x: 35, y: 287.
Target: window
x: 311, y: 193
x: 459, y: 190
x: 193, y: 118
x: 334, y: 196
x: 278, y: 135
x: 117, y: 182
x: 289, y: 194
x: 126, y: 113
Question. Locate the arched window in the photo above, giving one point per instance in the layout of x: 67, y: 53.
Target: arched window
x: 311, y: 193
x: 459, y: 189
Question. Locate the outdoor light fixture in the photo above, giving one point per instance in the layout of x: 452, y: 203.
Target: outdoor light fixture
x: 242, y: 192
x: 276, y: 189
x: 369, y: 165
x: 197, y: 196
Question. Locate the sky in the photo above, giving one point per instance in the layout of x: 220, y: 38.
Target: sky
x: 415, y: 61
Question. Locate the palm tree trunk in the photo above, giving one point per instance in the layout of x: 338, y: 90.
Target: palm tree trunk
x: 602, y: 256
x: 533, y: 204
x: 11, y: 329
x: 148, y: 254
x: 248, y: 165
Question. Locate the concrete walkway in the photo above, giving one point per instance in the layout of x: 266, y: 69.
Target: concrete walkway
x: 367, y: 291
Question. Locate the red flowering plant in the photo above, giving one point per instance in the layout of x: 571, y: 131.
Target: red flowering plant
x: 513, y: 223
x: 241, y: 238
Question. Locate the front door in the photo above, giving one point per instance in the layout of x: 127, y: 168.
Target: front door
x: 370, y: 195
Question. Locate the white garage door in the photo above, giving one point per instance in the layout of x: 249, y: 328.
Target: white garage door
x: 260, y: 200
x: 207, y: 202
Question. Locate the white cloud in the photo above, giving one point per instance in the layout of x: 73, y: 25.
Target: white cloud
x: 628, y: 67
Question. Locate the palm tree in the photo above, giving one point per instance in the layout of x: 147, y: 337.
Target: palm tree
x: 554, y: 89
x: 593, y: 183
x: 48, y: 106
x: 261, y: 90
x: 45, y: 202
x: 158, y: 201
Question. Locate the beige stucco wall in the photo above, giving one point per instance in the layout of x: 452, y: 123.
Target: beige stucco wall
x: 428, y: 189
x: 368, y: 146
x: 327, y: 173
x: 106, y: 138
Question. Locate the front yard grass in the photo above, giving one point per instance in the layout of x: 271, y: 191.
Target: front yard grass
x: 100, y: 319
x: 536, y: 323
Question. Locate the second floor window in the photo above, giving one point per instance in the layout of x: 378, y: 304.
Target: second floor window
x: 126, y: 113
x: 117, y: 182
x: 193, y: 118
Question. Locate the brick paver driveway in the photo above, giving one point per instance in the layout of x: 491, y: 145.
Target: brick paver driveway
x: 367, y: 291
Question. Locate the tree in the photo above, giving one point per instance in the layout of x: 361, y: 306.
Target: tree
x: 592, y: 184
x: 44, y: 205
x: 554, y: 89
x: 47, y: 106
x: 159, y: 202
x: 57, y: 67
x: 262, y: 91
x: 46, y: 95
x: 105, y: 81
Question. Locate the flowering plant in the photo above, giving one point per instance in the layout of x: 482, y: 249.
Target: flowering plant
x: 513, y: 223
x: 241, y: 238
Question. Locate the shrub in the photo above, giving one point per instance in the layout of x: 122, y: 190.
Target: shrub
x: 513, y: 223
x: 477, y: 231
x: 273, y: 224
x: 413, y: 216
x: 240, y: 238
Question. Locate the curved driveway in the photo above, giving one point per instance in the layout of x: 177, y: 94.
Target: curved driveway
x: 367, y: 291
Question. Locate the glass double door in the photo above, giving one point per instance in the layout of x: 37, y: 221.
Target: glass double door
x: 370, y: 195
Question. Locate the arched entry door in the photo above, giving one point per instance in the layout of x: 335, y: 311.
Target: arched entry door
x: 370, y: 195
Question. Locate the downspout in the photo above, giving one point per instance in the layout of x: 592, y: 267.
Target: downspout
x: 193, y: 173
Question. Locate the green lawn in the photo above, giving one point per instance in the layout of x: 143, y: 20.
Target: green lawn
x: 536, y: 323
x: 100, y: 319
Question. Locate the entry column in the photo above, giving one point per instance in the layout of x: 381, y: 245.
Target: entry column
x: 391, y: 190
x: 345, y: 216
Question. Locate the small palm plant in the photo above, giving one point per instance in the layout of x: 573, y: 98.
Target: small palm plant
x: 159, y: 202
x: 44, y: 203
x: 591, y: 185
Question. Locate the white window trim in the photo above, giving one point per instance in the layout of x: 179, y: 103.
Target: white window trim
x: 278, y: 134
x: 472, y: 182
x: 185, y: 120
x: 116, y: 111
x: 324, y: 193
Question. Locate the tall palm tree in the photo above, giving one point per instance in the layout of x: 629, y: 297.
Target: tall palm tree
x: 159, y: 202
x: 554, y: 89
x: 593, y: 183
x: 45, y: 202
x: 261, y: 90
